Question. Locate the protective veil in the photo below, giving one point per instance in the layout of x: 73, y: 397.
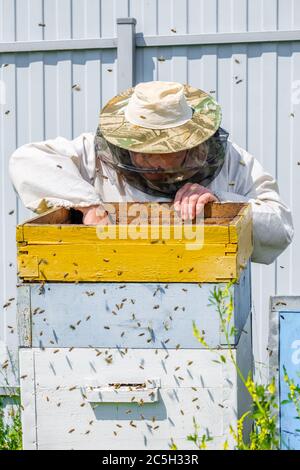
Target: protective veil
x: 201, y: 165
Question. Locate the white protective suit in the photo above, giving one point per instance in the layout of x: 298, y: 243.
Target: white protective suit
x: 64, y: 172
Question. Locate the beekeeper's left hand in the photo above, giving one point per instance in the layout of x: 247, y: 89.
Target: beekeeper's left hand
x: 191, y: 199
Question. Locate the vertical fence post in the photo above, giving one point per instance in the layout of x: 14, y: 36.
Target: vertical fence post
x: 126, y: 52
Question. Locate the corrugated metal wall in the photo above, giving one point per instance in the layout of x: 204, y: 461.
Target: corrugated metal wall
x: 253, y: 83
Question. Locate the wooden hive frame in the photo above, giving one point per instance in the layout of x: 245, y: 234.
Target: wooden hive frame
x: 56, y: 246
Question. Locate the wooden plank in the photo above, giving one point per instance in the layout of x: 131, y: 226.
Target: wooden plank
x: 121, y: 234
x: 135, y: 262
x: 134, y: 315
x: 211, y: 210
x: 64, y: 415
x: 51, y: 216
x: 24, y: 315
x: 28, y: 399
x: 213, y: 251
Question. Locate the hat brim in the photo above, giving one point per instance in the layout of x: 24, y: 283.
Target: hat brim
x: 204, y: 123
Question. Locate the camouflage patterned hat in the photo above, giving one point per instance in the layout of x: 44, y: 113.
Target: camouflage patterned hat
x: 160, y: 117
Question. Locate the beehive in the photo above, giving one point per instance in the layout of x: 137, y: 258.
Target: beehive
x: 109, y: 360
x: 52, y: 248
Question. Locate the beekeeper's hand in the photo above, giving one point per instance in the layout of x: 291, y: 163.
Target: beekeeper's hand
x: 93, y: 215
x: 191, y: 199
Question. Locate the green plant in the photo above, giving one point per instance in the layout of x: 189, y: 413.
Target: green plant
x: 264, y: 434
x: 10, y: 426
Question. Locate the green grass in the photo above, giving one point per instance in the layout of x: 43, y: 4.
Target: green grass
x: 10, y: 426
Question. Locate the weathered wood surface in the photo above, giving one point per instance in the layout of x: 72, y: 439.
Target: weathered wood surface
x: 213, y: 251
x: 191, y: 384
x: 133, y: 315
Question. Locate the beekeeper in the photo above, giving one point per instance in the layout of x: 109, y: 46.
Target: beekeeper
x: 159, y: 141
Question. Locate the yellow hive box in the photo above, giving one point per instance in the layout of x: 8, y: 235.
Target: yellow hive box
x: 56, y: 246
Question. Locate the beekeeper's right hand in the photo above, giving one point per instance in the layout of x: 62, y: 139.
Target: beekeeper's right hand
x: 93, y: 215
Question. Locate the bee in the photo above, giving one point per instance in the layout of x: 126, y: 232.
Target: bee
x: 55, y: 351
x: 88, y: 317
x: 71, y: 349
x: 72, y: 388
x: 91, y: 422
x: 114, y: 312
x: 128, y: 412
x: 156, y: 307
x: 194, y: 388
x: 106, y: 327
x: 155, y: 427
x: 132, y: 424
x: 177, y: 368
x: 190, y: 363
x: 141, y: 334
x: 87, y: 432
x: 71, y: 430
x: 78, y: 323
x: 89, y: 293
x: 72, y: 327
x: 58, y: 404
x: 6, y: 305
x: 119, y: 425
x: 122, y: 334
x: 132, y: 301
x: 195, y: 399
x: 23, y: 377
x: 182, y: 412
x: 115, y: 433
x: 177, y: 346
x: 180, y: 378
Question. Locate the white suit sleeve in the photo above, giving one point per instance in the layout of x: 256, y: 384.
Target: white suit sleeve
x: 272, y: 220
x: 55, y: 172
